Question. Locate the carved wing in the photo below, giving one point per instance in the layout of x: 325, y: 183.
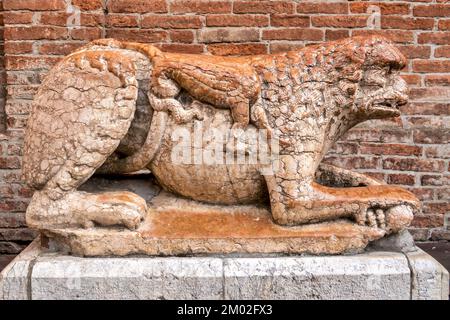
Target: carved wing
x: 83, y: 108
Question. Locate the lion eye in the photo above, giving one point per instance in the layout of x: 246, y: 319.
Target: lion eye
x: 376, y: 77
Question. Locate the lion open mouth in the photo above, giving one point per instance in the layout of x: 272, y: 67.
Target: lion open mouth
x: 388, y: 107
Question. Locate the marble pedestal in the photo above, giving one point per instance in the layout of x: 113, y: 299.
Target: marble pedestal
x: 36, y: 274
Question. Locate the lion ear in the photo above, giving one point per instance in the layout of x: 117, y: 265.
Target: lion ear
x: 386, y: 54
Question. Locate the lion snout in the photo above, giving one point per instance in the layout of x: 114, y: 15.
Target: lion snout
x: 400, y: 90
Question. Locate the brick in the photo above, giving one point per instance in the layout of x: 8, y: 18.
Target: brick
x: 171, y: 22
x: 289, y: 20
x: 21, y: 77
x: 93, y: 20
x: 228, y: 35
x: 415, y: 52
x: 17, y: 234
x: 431, y: 135
x: 411, y: 79
x: 443, y: 194
x: 444, y: 24
x: 137, y: 35
x: 35, y: 33
x: 342, y: 148
x: 437, y: 80
x: 434, y: 37
x: 11, y: 177
x: 9, y: 163
x: 442, y: 52
x: 424, y: 121
x: 339, y: 21
x: 434, y: 180
x: 14, y: 150
x: 6, y: 192
x: 393, y: 22
x: 18, y: 107
x: 431, y: 66
x: 427, y: 220
x: 12, y: 220
x: 437, y: 94
x: 423, y: 194
x: 242, y: 20
x: 25, y: 192
x: 87, y: 34
x: 331, y: 35
x: 18, y: 47
x: 399, y: 36
x: 29, y: 62
x: 10, y: 249
x: 440, y: 234
x: 182, y: 48
x: 419, y: 234
x: 63, y: 48
x: 386, y: 8
x: 123, y: 21
x: 355, y: 162
x: 379, y: 135
x: 237, y: 49
x: 22, y: 91
x: 442, y: 152
x: 137, y: 6
x: 276, y: 47
x: 426, y: 108
x: 263, y: 7
x: 409, y: 164
x: 330, y: 8
x: 390, y: 149
x: 18, y: 17
x: 88, y: 5
x: 54, y: 18
x: 16, y: 122
x: 184, y: 36
x: 376, y: 175
x: 438, y: 208
x: 401, y: 179
x: 34, y: 5
x: 199, y: 6
x: 433, y: 10
x: 293, y: 34
x: 13, y: 206
x: 387, y: 123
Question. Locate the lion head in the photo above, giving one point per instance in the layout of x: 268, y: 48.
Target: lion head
x: 379, y: 90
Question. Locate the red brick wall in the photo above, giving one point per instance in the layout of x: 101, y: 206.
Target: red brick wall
x: 412, y: 151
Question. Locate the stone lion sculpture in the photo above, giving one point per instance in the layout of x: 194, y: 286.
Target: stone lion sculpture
x: 110, y: 108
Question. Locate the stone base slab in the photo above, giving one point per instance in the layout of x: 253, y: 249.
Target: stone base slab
x: 36, y: 274
x: 176, y: 226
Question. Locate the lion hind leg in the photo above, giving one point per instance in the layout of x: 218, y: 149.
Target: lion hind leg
x: 81, y: 113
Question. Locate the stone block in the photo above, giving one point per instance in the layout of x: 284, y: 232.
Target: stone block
x: 37, y: 274
x: 430, y: 280
x: 64, y: 277
x: 383, y: 275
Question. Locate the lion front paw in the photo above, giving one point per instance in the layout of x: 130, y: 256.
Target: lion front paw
x: 392, y: 219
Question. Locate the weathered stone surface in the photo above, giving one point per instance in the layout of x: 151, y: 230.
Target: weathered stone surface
x: 15, y: 278
x: 63, y: 277
x: 374, y: 275
x: 381, y: 275
x: 430, y: 280
x: 176, y: 226
x: 401, y: 242
x: 116, y: 107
